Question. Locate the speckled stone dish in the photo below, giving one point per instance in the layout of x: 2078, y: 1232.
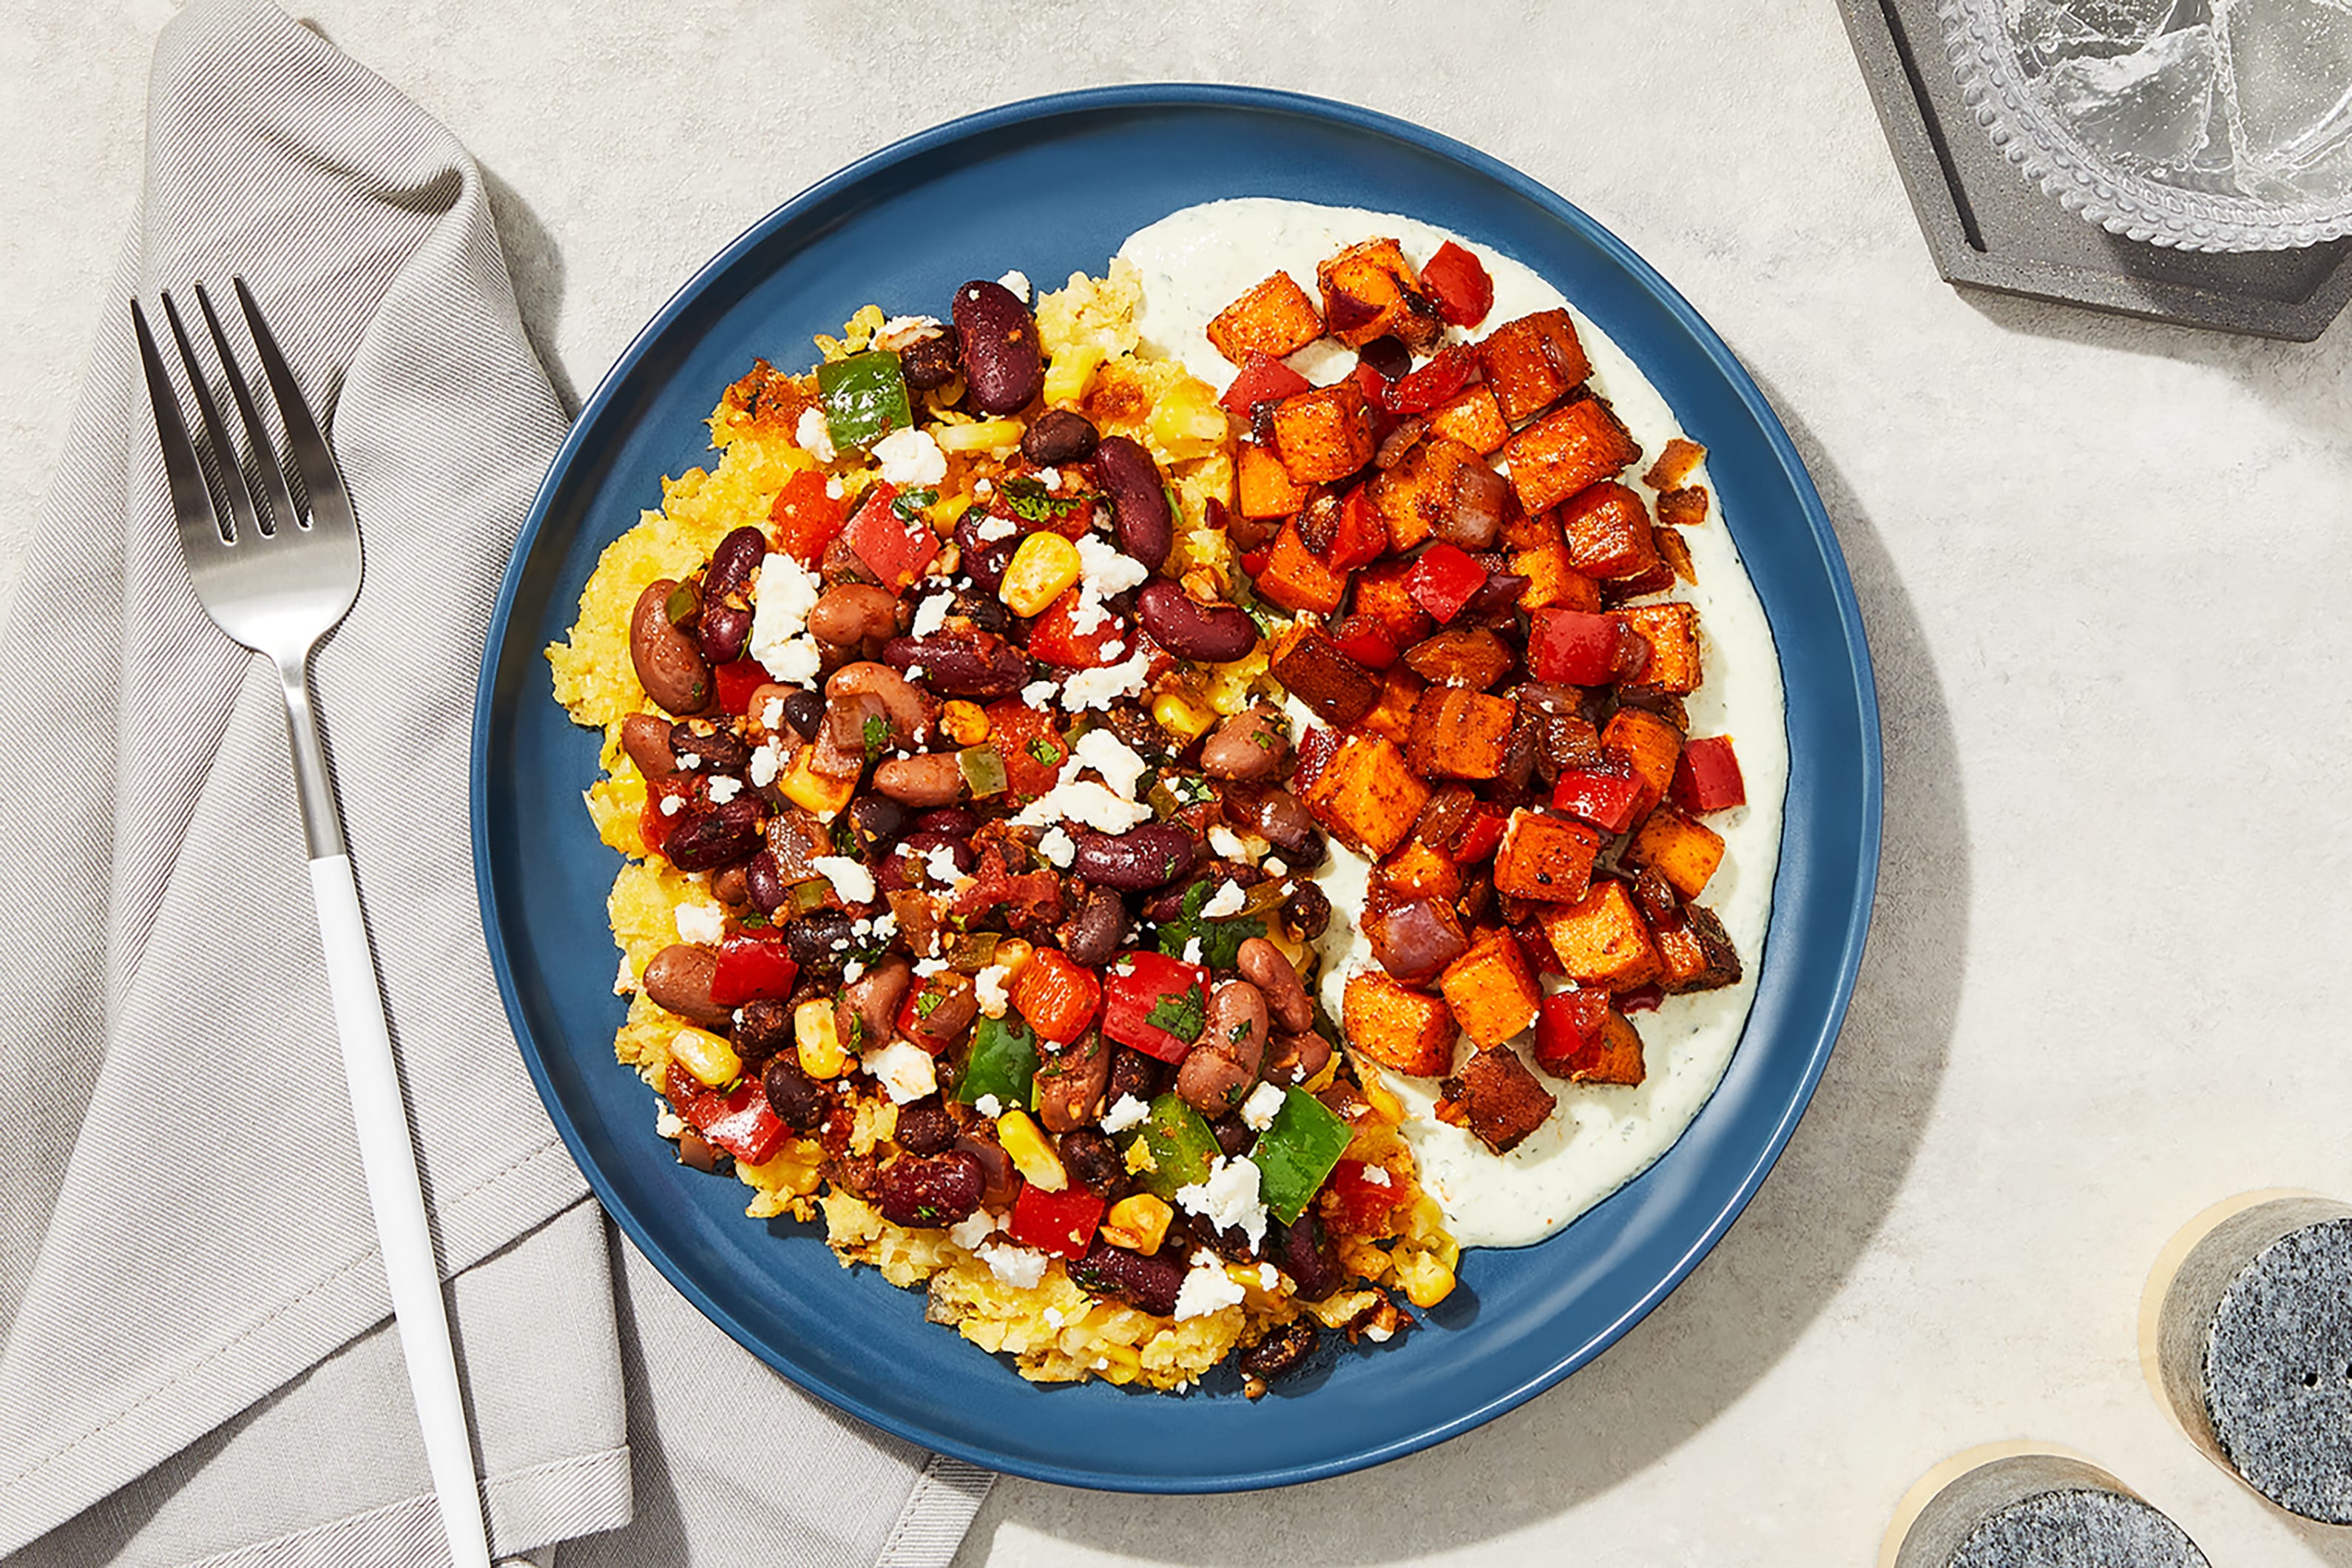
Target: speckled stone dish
x: 2015, y: 1506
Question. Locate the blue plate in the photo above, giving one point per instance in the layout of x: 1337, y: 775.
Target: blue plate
x: 1052, y: 186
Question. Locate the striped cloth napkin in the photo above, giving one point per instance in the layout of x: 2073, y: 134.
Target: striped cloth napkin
x: 196, y: 1363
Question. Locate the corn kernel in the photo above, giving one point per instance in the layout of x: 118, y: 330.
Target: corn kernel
x: 1384, y: 1099
x: 1124, y: 1361
x: 817, y: 1039
x: 1044, y: 567
x: 966, y: 722
x: 707, y: 1057
x: 1071, y: 370
x: 1186, y: 421
x: 1137, y: 1223
x: 981, y: 436
x: 1426, y: 1280
x: 1025, y: 1144
x: 814, y: 791
x: 1013, y: 955
x: 1182, y: 716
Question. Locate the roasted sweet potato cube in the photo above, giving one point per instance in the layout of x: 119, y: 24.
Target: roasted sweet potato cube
x: 1528, y: 531
x: 1602, y: 940
x: 1489, y: 988
x: 1370, y: 291
x: 1461, y: 733
x: 1421, y: 871
x: 1391, y: 716
x: 1275, y: 318
x: 1531, y: 363
x: 1566, y: 451
x: 1296, y: 579
x: 1672, y: 632
x: 1404, y: 1030
x: 1614, y: 1056
x: 1696, y: 954
x: 1416, y: 495
x: 1608, y: 531
x: 1674, y: 553
x: 1500, y: 1101
x: 1649, y: 745
x: 1675, y: 464
x: 1546, y: 858
x: 1552, y: 582
x: 1683, y: 851
x: 1684, y: 508
x: 1462, y: 656
x: 1338, y: 689
x: 1381, y: 592
x: 1367, y: 795
x: 1325, y: 432
x: 1262, y: 487
x: 1473, y: 417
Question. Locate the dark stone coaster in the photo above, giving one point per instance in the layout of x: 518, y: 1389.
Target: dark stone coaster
x: 2278, y: 1372
x: 2042, y: 1510
x: 1990, y: 227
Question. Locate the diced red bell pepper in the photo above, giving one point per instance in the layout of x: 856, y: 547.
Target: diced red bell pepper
x: 1360, y: 537
x: 1641, y: 999
x: 1459, y: 284
x: 1570, y: 647
x: 1707, y: 777
x: 1056, y: 996
x: 1253, y: 561
x: 1357, y: 1204
x: 894, y: 549
x: 1376, y: 387
x: 736, y: 681
x: 1030, y: 745
x: 1262, y: 379
x: 1608, y: 798
x: 1156, y: 1004
x: 1568, y: 1027
x: 1436, y: 383
x: 804, y: 517
x: 1365, y: 641
x: 1316, y: 747
x: 1063, y: 1223
x: 1055, y: 638
x: 751, y: 969
x: 739, y: 1120
x: 653, y: 824
x: 1482, y: 835
x: 1444, y: 580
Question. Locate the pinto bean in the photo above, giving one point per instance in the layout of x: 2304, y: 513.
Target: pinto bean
x: 1263, y: 965
x: 868, y: 1005
x: 1004, y: 369
x: 935, y: 1190
x: 669, y: 665
x: 1059, y: 435
x: 1284, y: 822
x: 848, y: 613
x: 1093, y: 936
x: 1213, y: 633
x: 680, y: 976
x: 1138, y: 496
x: 934, y: 778
x: 645, y: 737
x: 999, y: 1180
x: 732, y: 887
x: 710, y: 838
x: 1294, y: 1058
x: 1220, y: 1068
x: 909, y: 709
x: 1141, y: 859
x: 966, y: 662
x: 1070, y: 1084
x: 1249, y: 746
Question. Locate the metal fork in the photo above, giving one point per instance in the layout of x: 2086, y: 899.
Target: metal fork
x: 277, y: 578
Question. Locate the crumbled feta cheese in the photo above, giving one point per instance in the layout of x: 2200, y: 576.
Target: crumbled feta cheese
x: 626, y: 983
x: 992, y: 528
x: 1258, y: 1110
x: 1053, y: 1316
x: 1376, y: 1176
x: 1050, y: 477
x: 1191, y: 950
x: 900, y: 330
x: 911, y: 459
x: 1040, y: 693
x: 668, y: 1123
x: 1118, y: 763
x: 1019, y: 1267
x: 853, y: 881
x: 1226, y: 900
x: 851, y: 970
x: 1379, y: 1333
x: 772, y: 714
x: 1207, y: 1288
x: 885, y: 924
x: 1226, y: 842
x: 767, y: 762
x: 940, y: 864
x: 1268, y: 1277
x: 904, y: 1069
x: 1228, y: 1198
x: 1018, y: 282
x: 833, y: 488
x: 1114, y: 647
x: 988, y: 1105
x: 1276, y: 865
x: 971, y: 1232
x: 927, y: 967
x: 981, y: 487
x: 723, y: 790
x: 1085, y: 802
x: 814, y: 435
x: 688, y: 761
x: 782, y: 597
x: 988, y: 987
x: 1128, y: 1112
x: 1058, y: 847
x: 672, y: 804
x: 1100, y: 687
x: 704, y: 923
x: 931, y: 614
x: 1102, y: 568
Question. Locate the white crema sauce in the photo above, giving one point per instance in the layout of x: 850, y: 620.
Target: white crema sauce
x: 1196, y: 262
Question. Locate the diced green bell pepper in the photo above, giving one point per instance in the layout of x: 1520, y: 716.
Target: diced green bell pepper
x: 1181, y: 1144
x: 983, y: 770
x: 865, y: 397
x: 1004, y: 1063
x: 1296, y: 1154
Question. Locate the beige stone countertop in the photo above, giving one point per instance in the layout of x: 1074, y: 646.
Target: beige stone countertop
x: 2103, y: 567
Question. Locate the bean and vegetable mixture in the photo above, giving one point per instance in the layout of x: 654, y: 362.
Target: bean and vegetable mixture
x: 970, y: 899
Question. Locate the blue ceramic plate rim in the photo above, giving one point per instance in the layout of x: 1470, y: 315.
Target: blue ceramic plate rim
x: 1830, y: 1009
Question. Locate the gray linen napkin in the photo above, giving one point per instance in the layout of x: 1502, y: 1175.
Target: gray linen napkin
x: 196, y: 1364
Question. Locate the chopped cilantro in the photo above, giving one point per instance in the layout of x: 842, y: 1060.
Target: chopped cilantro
x: 1221, y: 940
x: 1033, y: 502
x: 910, y: 504
x: 1046, y: 750
x: 1183, y: 1016
x: 877, y: 734
x: 929, y: 1002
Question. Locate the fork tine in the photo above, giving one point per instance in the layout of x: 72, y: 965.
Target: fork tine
x: 192, y: 498
x: 265, y: 453
x: 242, y: 521
x: 331, y: 506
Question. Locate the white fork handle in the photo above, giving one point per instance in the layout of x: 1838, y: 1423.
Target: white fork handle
x: 390, y: 1161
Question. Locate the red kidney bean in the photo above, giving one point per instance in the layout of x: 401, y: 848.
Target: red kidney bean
x: 1282, y: 1352
x: 726, y: 624
x: 983, y: 559
x: 798, y: 1100
x: 1220, y: 1070
x: 1307, y: 1252
x: 939, y: 1190
x: 962, y: 663
x: 669, y: 665
x: 934, y: 778
x: 1140, y: 514
x: 1213, y: 633
x: 925, y: 1127
x: 1249, y: 746
x: 678, y: 977
x: 1094, y: 935
x: 1141, y: 859
x: 951, y: 819
x: 1059, y: 435
x: 1004, y: 369
x: 1146, y: 1284
x: 1070, y: 1084
x: 708, y: 837
x: 1263, y: 965
x: 765, y: 882
x: 931, y: 361
x: 645, y: 737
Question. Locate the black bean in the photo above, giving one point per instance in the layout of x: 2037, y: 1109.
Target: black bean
x: 1095, y: 1160
x: 1059, y: 435
x: 804, y: 711
x: 819, y: 940
x: 1281, y: 1351
x: 798, y: 1100
x: 1307, y: 1252
x: 1233, y: 1135
x: 1134, y: 1075
x: 877, y: 819
x: 983, y: 609
x: 925, y: 1127
x: 931, y: 361
x: 762, y: 1027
